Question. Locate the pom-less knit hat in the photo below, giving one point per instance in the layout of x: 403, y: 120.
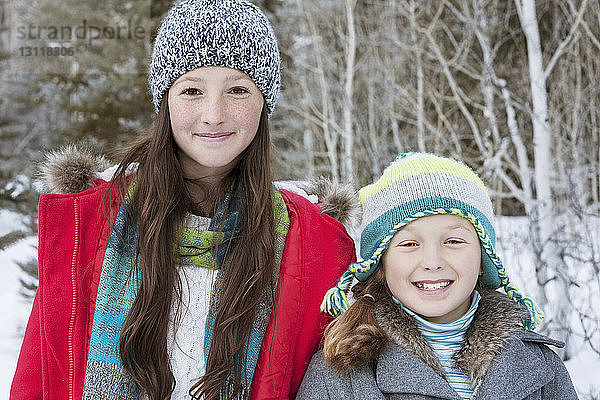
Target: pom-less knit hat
x: 416, y: 185
x: 224, y: 33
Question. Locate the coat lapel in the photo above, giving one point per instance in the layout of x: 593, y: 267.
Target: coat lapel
x: 517, y: 371
x: 419, y: 378
x: 496, y: 319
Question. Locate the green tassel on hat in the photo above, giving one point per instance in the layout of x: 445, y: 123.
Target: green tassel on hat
x: 335, y: 301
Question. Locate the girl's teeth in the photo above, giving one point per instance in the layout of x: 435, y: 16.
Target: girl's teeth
x: 432, y: 286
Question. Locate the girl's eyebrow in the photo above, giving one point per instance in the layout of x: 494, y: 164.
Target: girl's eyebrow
x: 240, y: 77
x: 189, y: 79
x: 456, y: 226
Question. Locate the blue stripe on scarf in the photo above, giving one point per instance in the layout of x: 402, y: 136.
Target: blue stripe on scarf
x: 116, y: 291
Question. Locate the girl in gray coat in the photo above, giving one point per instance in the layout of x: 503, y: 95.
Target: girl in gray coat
x: 427, y: 322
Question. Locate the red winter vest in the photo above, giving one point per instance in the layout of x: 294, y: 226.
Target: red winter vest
x: 73, y: 235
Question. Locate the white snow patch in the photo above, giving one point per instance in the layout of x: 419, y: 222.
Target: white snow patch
x: 11, y: 221
x: 584, y: 370
x: 14, y: 308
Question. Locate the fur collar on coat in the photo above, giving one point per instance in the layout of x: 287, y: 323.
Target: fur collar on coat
x: 496, y: 318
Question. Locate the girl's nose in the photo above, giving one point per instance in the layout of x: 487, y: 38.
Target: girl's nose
x: 213, y: 112
x: 432, y: 259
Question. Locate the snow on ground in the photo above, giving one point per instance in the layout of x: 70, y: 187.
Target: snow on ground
x: 14, y: 308
x: 585, y: 371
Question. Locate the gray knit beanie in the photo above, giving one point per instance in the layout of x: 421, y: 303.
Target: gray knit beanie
x: 224, y: 33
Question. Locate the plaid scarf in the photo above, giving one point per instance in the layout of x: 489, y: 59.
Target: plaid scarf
x: 105, y: 376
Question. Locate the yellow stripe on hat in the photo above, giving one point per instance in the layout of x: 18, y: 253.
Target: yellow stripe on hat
x: 421, y: 164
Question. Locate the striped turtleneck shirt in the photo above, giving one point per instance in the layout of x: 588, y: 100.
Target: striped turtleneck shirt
x: 446, y: 340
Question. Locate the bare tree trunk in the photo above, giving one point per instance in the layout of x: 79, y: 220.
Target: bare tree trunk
x: 487, y: 86
x: 544, y: 217
x: 396, y: 135
x: 347, y: 162
x: 374, y: 154
x: 420, y: 80
x: 595, y: 158
x: 522, y: 192
x: 308, y: 142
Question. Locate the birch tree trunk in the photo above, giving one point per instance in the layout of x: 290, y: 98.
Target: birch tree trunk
x: 420, y: 79
x: 542, y: 223
x: 348, y: 135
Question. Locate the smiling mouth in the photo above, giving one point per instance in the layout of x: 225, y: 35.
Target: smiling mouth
x: 423, y: 285
x: 213, y: 135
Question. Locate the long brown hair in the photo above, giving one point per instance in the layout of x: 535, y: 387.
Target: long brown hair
x: 352, y: 338
x: 160, y: 201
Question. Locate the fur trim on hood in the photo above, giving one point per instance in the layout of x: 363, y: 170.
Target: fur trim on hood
x: 73, y: 169
x: 337, y: 200
x: 496, y: 318
x: 70, y: 169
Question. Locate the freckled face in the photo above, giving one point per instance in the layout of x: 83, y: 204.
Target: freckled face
x: 215, y: 113
x: 432, y: 265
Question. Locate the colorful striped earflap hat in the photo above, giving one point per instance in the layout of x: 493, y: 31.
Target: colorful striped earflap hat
x: 416, y: 185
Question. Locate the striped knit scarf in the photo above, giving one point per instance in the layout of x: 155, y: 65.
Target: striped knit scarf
x: 105, y: 376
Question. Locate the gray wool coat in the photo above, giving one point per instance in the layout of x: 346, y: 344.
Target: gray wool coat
x: 503, y: 360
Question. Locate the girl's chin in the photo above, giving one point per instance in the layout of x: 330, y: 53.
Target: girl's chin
x: 195, y: 168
